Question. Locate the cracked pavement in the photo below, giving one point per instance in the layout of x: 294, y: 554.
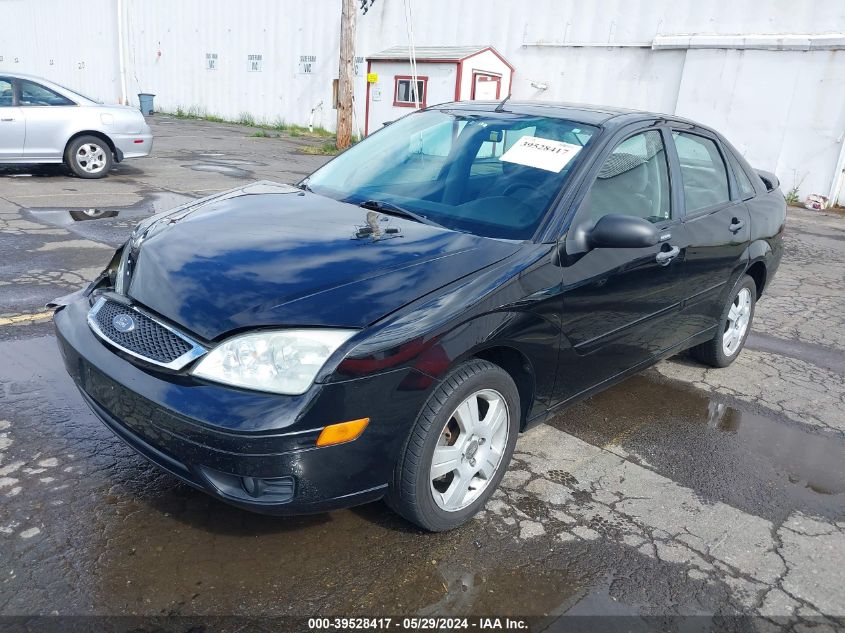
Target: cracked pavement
x: 683, y: 490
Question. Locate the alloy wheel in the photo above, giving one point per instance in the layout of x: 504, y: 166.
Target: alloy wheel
x: 469, y: 450
x: 736, y: 325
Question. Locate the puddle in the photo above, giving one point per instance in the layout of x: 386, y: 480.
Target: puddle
x: 757, y: 463
x: 107, y: 224
x: 151, y: 204
x: 243, y: 163
x: 219, y: 163
x: 226, y: 170
x: 470, y: 591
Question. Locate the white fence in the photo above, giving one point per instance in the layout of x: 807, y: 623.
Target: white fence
x: 770, y: 75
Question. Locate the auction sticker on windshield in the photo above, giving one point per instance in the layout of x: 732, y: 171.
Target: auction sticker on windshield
x: 541, y: 153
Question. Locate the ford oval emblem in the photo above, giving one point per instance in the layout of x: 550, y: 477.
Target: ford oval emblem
x: 123, y: 323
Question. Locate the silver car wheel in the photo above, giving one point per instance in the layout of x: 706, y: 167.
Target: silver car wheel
x: 91, y: 158
x: 469, y: 450
x: 737, y: 323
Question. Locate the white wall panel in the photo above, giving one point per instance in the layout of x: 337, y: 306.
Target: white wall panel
x: 783, y: 110
x: 184, y: 32
x: 71, y: 43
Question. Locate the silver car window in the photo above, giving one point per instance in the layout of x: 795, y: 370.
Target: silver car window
x: 33, y: 94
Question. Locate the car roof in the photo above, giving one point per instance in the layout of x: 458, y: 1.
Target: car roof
x: 579, y: 112
x: 67, y: 92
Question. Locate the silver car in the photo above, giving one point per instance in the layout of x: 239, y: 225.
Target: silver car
x: 42, y: 122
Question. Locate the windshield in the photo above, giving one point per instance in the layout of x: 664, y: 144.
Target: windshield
x: 491, y: 174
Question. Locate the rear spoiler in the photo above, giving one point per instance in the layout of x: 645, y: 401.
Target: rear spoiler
x: 769, y: 179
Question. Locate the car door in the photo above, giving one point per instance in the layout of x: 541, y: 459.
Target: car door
x: 620, y: 304
x: 47, y: 115
x: 717, y: 225
x: 12, y: 125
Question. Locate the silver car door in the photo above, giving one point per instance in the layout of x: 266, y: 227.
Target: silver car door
x: 48, y: 115
x: 12, y: 125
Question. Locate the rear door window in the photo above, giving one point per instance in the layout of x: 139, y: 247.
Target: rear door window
x: 33, y: 94
x: 703, y: 171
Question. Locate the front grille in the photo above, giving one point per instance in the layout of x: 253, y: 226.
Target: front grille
x: 145, y: 338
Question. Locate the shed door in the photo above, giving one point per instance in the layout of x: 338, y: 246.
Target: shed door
x: 486, y: 87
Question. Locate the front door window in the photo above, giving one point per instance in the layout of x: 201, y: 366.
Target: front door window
x: 634, y: 180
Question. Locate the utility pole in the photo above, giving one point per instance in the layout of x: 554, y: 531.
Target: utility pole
x: 346, y: 73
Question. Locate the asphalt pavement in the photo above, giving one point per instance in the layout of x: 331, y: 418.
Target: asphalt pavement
x: 681, y: 491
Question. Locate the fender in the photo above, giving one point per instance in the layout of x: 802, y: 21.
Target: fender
x: 514, y: 305
x: 525, y: 343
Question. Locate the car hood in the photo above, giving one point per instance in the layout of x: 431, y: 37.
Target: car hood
x: 272, y: 255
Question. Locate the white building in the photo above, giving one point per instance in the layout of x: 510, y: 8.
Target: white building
x: 769, y: 74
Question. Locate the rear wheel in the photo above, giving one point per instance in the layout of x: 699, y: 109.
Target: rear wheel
x: 734, y: 326
x: 89, y: 157
x: 459, y: 448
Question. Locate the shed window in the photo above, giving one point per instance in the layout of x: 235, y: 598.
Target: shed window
x: 404, y: 95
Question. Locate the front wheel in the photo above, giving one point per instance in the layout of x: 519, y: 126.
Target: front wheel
x: 459, y: 448
x: 734, y: 326
x: 89, y: 157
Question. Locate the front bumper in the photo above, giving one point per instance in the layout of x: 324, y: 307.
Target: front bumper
x: 133, y: 145
x: 213, y: 437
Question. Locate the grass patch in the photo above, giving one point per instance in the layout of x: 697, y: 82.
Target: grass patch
x: 326, y: 149
x: 193, y: 112
x: 295, y: 130
x: 290, y: 129
x: 263, y: 134
x: 246, y: 119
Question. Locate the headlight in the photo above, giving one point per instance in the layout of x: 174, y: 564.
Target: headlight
x: 285, y: 361
x: 120, y: 271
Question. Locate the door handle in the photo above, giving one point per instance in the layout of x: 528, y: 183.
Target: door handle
x: 664, y: 258
x: 4, y: 120
x: 736, y: 225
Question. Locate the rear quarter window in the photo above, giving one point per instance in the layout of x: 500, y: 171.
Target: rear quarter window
x: 746, y: 189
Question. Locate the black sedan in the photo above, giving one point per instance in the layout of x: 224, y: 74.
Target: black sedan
x: 388, y: 327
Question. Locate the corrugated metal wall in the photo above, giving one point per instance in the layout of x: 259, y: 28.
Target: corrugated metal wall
x: 73, y: 43
x: 785, y: 109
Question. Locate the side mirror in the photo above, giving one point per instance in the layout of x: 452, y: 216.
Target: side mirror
x: 622, y: 231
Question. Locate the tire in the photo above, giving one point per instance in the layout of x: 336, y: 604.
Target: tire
x: 89, y: 157
x: 716, y: 352
x: 443, y: 504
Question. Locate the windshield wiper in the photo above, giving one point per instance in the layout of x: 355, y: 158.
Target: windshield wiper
x: 391, y: 209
